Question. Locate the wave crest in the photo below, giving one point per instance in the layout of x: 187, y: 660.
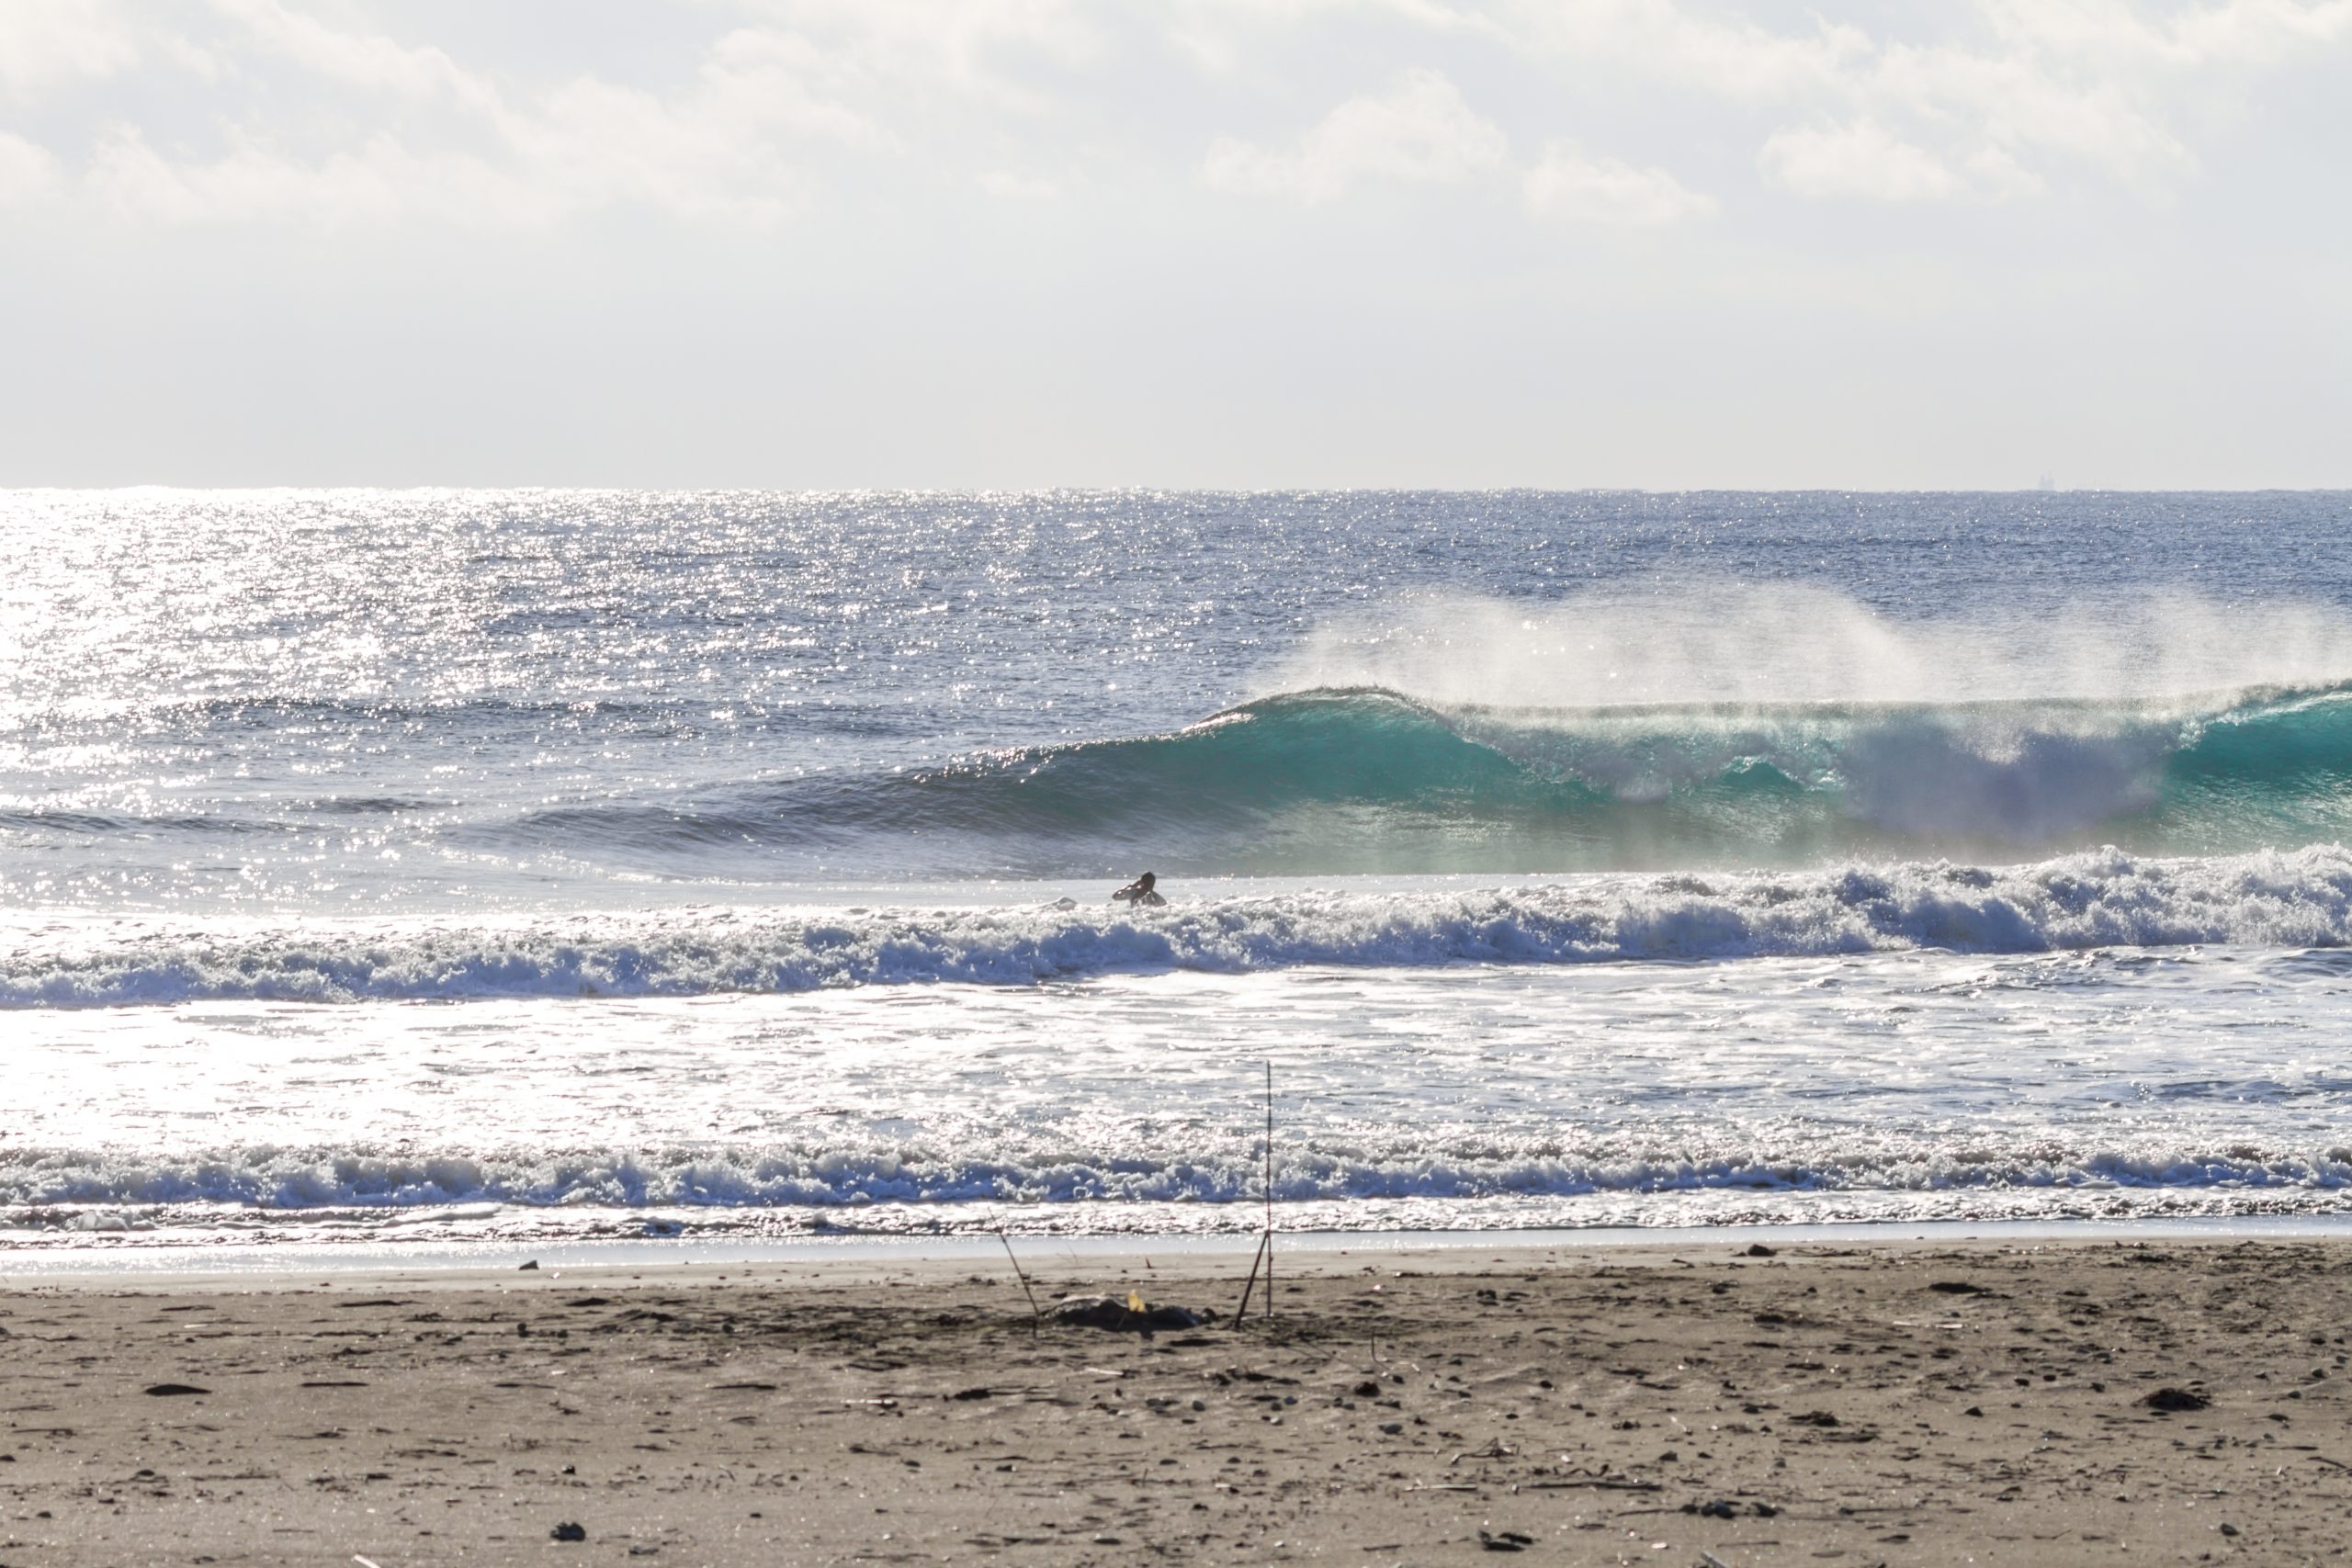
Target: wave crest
x: 1369, y: 780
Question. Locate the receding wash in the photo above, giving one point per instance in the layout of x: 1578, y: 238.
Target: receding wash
x: 521, y: 863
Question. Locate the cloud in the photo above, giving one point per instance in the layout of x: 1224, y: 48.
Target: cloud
x: 2024, y: 105
x: 1422, y: 131
x: 765, y: 82
x: 44, y: 43
x: 2237, y: 32
x: 720, y: 147
x: 1996, y: 176
x: 590, y: 143
x: 1220, y: 37
x: 1568, y: 183
x: 26, y: 170
x: 275, y: 101
x: 358, y: 59
x: 918, y: 52
x: 1727, y: 58
x: 1418, y: 131
x: 2098, y: 84
x: 379, y: 181
x: 1014, y: 187
x: 406, y: 130
x: 1860, y: 159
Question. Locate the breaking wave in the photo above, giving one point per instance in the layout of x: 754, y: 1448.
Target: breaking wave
x: 1367, y: 780
x: 2271, y: 900
x: 1395, y: 1165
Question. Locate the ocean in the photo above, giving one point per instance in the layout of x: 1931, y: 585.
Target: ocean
x: 493, y: 866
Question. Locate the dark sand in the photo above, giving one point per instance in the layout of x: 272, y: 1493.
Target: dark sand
x: 1891, y: 1403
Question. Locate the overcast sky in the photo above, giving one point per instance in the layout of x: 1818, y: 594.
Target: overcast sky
x: 799, y: 244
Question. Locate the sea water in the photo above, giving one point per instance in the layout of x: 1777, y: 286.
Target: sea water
x: 425, y: 867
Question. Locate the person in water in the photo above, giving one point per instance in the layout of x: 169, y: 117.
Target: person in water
x: 1139, y: 893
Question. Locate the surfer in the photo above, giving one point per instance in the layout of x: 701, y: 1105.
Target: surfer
x: 1139, y: 893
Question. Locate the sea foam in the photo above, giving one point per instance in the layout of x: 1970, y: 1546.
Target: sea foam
x: 2300, y: 898
x: 1397, y: 1165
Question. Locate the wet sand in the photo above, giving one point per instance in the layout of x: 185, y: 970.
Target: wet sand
x: 1691, y: 1404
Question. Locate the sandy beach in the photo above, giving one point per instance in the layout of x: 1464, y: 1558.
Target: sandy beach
x: 1688, y: 1404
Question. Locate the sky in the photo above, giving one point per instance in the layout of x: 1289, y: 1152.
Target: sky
x: 1233, y: 244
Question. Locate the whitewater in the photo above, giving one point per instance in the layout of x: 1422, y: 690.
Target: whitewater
x: 466, y: 865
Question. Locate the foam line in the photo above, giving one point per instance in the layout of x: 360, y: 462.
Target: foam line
x: 2293, y: 899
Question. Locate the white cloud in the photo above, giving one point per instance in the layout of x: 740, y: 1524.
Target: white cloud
x: 44, y: 43
x: 763, y: 82
x: 1422, y: 131
x: 2025, y: 105
x: 1418, y: 131
x: 360, y: 59
x: 464, y: 145
x: 1014, y: 187
x: 1732, y: 59
x: 2239, y: 32
x: 2099, y: 84
x: 718, y: 149
x: 1994, y: 99
x: 590, y: 143
x: 1860, y: 159
x: 913, y: 50
x: 2000, y: 177
x: 26, y: 170
x: 1221, y: 35
x: 380, y: 181
x: 1568, y: 183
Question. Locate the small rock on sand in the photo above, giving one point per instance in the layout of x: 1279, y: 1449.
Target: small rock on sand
x: 2172, y: 1399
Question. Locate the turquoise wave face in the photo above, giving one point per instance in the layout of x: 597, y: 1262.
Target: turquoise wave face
x: 1366, y: 780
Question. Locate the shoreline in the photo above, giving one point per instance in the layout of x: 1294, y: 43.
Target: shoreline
x: 1923, y: 1400
x: 106, y: 1260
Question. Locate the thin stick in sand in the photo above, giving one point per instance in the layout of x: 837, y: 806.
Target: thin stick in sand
x: 1265, y: 1254
x: 1269, y: 1188
x: 1034, y: 1316
x: 1243, y: 1311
